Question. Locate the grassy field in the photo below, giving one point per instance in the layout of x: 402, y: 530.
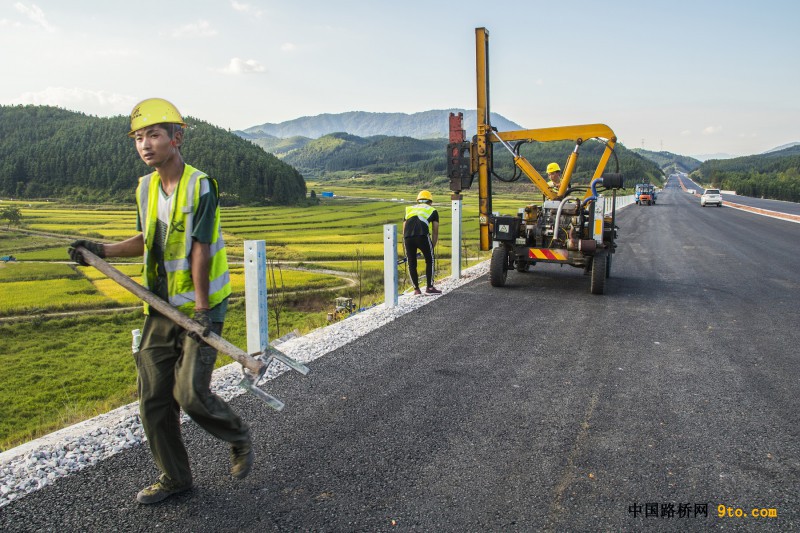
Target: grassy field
x: 83, y: 367
x: 60, y: 370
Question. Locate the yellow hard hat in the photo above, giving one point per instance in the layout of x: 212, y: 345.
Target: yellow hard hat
x: 553, y: 167
x: 425, y: 195
x: 154, y: 111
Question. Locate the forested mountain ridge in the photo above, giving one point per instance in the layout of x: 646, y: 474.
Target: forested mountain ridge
x: 431, y: 124
x: 669, y: 162
x: 48, y: 152
x: 774, y: 174
x: 426, y: 159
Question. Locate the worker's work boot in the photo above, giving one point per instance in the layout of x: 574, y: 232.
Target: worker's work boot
x: 433, y: 290
x: 241, y: 458
x: 158, y: 491
x: 417, y: 292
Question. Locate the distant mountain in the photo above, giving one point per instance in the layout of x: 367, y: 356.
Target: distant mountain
x: 706, y: 157
x: 426, y: 160
x: 669, y: 162
x: 424, y: 125
x: 782, y: 147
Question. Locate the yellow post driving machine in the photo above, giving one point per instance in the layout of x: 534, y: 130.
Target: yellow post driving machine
x: 573, y: 226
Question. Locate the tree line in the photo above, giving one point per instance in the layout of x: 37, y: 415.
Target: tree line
x: 48, y: 152
x: 386, y: 154
x: 773, y: 175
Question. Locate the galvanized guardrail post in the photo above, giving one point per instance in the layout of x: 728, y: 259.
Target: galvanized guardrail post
x: 455, y: 244
x: 255, y: 295
x: 390, y: 264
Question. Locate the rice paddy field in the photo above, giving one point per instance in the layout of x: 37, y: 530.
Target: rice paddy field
x: 65, y: 329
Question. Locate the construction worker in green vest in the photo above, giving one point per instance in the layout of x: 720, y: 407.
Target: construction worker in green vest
x: 420, y: 233
x: 185, y: 263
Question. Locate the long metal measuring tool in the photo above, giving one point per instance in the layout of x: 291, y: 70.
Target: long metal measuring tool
x: 254, y: 366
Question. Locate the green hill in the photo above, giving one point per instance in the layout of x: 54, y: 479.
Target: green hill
x: 669, y: 162
x: 47, y: 152
x: 425, y: 160
x: 773, y: 175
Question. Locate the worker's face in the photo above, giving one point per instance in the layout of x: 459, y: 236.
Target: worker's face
x: 555, y: 176
x: 154, y: 145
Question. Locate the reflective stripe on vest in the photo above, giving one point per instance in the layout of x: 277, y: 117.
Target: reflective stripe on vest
x: 422, y: 211
x: 178, y: 248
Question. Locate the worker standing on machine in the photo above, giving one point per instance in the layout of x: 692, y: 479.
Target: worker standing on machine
x: 185, y: 264
x: 554, y: 175
x: 420, y: 232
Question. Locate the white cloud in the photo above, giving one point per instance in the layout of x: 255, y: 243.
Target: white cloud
x: 35, y: 15
x: 540, y: 82
x: 101, y: 103
x: 711, y: 130
x: 245, y: 8
x: 201, y: 28
x: 686, y: 133
x: 288, y: 47
x: 243, y: 66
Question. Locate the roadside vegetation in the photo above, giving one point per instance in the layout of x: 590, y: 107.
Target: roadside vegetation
x: 773, y: 175
x: 66, y: 329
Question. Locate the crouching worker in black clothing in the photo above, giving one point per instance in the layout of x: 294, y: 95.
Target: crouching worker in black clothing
x: 420, y: 232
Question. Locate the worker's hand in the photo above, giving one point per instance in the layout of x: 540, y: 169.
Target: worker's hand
x: 202, y: 317
x: 95, y: 247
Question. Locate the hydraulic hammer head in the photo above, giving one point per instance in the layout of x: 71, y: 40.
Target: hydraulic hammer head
x: 459, y: 162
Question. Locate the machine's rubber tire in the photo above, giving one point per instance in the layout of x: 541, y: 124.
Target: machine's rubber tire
x: 521, y: 266
x: 598, y: 283
x: 498, y: 267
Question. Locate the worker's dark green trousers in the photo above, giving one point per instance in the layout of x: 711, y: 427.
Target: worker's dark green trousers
x: 175, y: 372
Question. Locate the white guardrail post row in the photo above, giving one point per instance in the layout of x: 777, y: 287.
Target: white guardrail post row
x: 622, y: 201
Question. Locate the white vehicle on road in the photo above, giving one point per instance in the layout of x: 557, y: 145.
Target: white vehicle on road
x: 710, y: 197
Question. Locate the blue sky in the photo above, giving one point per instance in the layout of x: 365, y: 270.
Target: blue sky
x: 689, y: 77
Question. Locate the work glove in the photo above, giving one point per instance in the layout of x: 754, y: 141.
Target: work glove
x: 95, y: 247
x: 204, y: 319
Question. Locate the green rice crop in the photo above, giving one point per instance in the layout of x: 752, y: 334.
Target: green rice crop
x: 35, y: 271
x: 58, y: 372
x: 24, y: 297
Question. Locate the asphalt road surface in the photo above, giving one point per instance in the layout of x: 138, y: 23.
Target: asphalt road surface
x: 532, y: 407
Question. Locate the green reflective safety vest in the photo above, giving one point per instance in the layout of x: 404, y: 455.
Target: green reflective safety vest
x: 178, y: 246
x: 422, y: 211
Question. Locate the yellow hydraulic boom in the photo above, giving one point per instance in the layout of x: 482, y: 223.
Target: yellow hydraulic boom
x: 481, y: 147
x: 574, y: 225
